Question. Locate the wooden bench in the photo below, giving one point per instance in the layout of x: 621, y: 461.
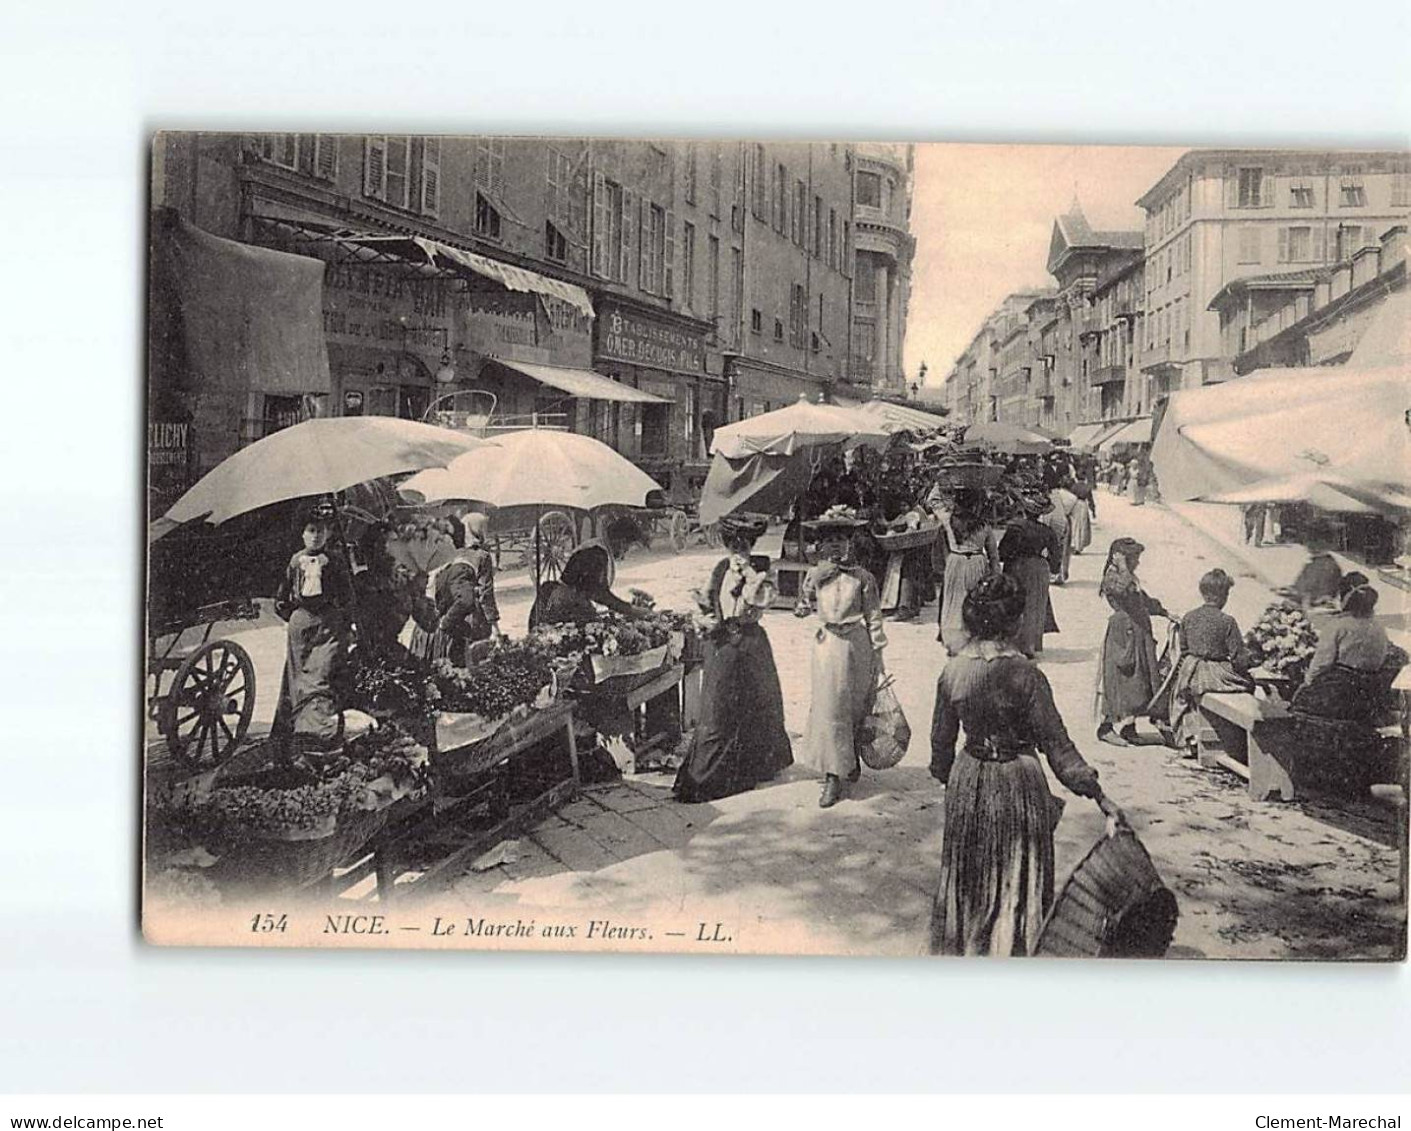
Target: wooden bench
x: 1282, y: 754
x: 1250, y: 737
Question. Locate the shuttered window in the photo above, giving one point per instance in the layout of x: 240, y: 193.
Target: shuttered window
x: 375, y: 166
x: 430, y: 176
x: 490, y: 166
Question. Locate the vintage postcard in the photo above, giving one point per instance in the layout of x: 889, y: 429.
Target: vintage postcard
x: 734, y: 547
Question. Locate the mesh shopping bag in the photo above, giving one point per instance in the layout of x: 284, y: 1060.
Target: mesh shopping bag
x: 882, y: 737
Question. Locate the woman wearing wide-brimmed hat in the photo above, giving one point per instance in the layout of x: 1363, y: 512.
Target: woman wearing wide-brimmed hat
x: 847, y: 654
x: 997, y: 868
x: 1127, y: 673
x: 739, y: 740
x: 1031, y: 554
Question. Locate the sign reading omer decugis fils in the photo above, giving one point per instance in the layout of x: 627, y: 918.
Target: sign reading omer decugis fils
x: 627, y: 336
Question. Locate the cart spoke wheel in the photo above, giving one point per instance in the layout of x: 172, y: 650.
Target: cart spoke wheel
x: 207, y: 709
x: 558, y: 538
x: 677, y: 530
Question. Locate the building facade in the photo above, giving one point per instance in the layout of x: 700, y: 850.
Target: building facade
x: 641, y: 292
x: 1232, y: 238
x: 1222, y: 215
x: 1357, y: 310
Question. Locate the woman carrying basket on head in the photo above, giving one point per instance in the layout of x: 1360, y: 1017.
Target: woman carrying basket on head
x: 997, y: 870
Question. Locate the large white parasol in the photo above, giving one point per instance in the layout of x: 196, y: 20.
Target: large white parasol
x: 317, y: 457
x: 537, y: 467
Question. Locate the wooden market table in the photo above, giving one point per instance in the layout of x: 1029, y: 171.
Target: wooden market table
x: 439, y: 822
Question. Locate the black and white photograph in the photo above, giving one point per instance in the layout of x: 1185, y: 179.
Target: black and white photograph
x: 777, y: 547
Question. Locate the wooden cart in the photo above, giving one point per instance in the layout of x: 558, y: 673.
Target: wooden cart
x: 202, y: 692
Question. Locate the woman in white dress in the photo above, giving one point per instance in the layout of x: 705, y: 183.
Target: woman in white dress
x: 847, y: 656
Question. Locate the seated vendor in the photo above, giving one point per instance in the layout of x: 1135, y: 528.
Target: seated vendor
x: 1213, y: 657
x: 581, y: 588
x: 1352, y: 670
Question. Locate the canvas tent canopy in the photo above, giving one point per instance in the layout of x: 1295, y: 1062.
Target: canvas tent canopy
x: 1283, y: 430
x: 903, y: 418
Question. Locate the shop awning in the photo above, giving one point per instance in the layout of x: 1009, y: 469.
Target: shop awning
x: 509, y: 276
x: 582, y: 383
x: 1133, y: 432
x: 1083, y: 434
x: 432, y: 255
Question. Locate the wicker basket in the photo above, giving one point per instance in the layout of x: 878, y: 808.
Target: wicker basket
x: 896, y: 542
x: 1113, y: 905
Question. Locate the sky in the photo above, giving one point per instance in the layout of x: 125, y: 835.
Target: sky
x: 983, y: 215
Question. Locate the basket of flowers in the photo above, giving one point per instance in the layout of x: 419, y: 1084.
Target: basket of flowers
x: 1282, y: 642
x: 471, y: 704
x: 294, y: 820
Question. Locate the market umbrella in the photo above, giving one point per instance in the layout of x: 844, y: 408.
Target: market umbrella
x: 765, y: 462
x: 797, y: 427
x: 316, y: 457
x: 1011, y: 439
x: 538, y: 468
x: 903, y: 418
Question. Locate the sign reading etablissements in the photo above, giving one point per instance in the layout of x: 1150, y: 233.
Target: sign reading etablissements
x: 625, y: 335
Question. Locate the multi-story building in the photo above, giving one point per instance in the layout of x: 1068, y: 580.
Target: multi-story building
x: 883, y: 247
x: 641, y: 292
x: 991, y: 378
x: 1089, y: 367
x: 1220, y: 215
x: 1356, y: 310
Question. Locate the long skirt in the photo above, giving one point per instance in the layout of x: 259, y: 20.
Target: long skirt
x: 963, y: 573
x: 1082, y: 533
x: 740, y: 739
x: 844, y: 682
x: 996, y: 858
x: 308, y: 707
x: 1032, y: 574
x: 1127, y: 680
x: 1138, y: 493
x: 1179, y: 697
x: 1062, y: 530
x: 1342, y: 692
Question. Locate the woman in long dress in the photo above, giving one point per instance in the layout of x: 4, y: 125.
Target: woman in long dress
x: 846, y: 657
x: 1081, y: 515
x: 1030, y: 553
x: 997, y: 869
x: 1059, y: 519
x: 1212, y: 658
x: 966, y: 564
x: 315, y: 598
x: 740, y: 740
x: 1352, y: 670
x: 1127, y: 675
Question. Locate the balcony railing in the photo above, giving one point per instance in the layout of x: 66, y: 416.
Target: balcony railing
x: 1110, y: 375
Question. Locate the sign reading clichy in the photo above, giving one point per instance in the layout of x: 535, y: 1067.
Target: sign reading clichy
x: 627, y: 336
